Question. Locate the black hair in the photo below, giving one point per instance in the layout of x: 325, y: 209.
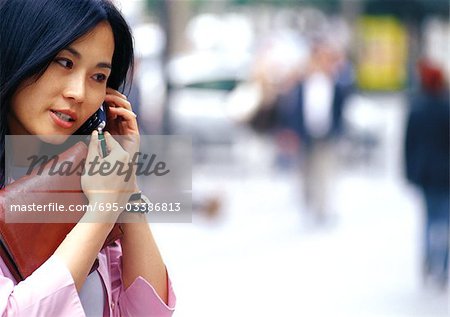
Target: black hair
x: 33, y: 32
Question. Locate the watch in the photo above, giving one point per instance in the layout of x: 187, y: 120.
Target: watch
x: 138, y: 202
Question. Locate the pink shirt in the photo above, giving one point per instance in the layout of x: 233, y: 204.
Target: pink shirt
x: 50, y: 291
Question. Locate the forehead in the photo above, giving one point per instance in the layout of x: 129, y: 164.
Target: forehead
x: 99, y: 42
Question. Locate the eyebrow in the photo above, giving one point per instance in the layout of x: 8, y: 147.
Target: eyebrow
x: 78, y: 55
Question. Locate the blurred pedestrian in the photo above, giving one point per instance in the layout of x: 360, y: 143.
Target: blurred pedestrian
x: 427, y: 166
x: 313, y: 110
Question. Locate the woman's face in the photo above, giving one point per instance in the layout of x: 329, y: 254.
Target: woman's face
x: 71, y: 89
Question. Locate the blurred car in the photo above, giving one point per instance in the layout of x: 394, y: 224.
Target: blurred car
x: 201, y: 84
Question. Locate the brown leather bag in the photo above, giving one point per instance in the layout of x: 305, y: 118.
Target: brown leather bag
x: 27, y: 245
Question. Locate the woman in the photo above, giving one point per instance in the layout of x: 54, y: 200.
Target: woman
x: 60, y: 60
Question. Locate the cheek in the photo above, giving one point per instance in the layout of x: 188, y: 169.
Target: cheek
x: 31, y: 96
x: 94, y: 104
x: 25, y: 111
x: 20, y: 103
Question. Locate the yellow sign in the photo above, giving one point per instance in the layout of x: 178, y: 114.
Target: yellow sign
x: 381, y: 53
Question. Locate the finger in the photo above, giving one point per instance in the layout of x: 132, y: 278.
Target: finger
x: 127, y: 116
x: 115, y: 92
x: 119, y: 111
x: 109, y: 115
x: 117, y: 151
x: 93, y: 149
x: 111, y: 142
x: 117, y: 101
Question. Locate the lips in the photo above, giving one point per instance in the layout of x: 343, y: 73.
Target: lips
x: 65, y: 114
x: 63, y: 118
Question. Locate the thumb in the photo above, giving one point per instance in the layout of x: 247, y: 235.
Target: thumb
x: 93, y: 145
x: 111, y: 142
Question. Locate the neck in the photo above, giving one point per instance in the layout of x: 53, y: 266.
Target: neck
x: 21, y: 147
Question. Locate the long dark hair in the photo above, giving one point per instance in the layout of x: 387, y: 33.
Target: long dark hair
x: 32, y: 32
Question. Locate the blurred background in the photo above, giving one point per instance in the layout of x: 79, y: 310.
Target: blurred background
x: 320, y: 152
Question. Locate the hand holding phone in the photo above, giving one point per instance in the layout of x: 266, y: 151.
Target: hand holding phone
x: 96, y: 121
x: 115, y: 116
x: 121, y: 120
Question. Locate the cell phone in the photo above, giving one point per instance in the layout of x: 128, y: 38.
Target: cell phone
x: 98, y: 119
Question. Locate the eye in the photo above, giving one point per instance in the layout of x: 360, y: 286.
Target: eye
x: 100, y: 77
x: 64, y: 62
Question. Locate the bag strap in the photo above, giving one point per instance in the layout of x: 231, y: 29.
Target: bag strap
x: 10, y: 264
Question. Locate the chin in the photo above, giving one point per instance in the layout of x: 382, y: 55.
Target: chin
x: 55, y: 139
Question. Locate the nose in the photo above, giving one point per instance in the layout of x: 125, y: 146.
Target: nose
x: 75, y: 88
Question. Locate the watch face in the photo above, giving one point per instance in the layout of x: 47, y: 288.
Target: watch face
x: 136, y: 197
x: 139, y: 203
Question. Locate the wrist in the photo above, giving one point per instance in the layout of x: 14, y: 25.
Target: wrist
x: 102, y: 210
x: 109, y: 197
